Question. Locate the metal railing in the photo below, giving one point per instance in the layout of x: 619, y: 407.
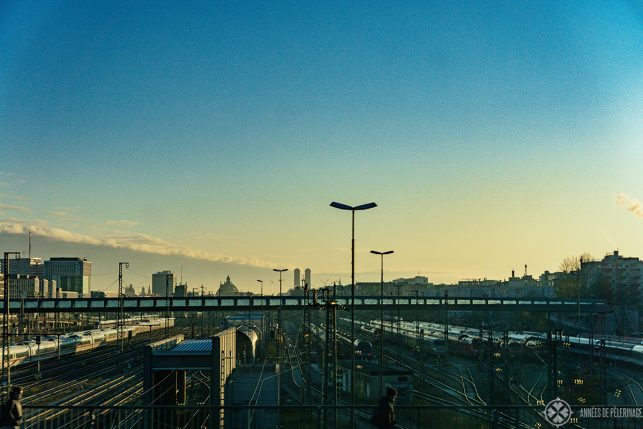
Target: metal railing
x: 259, y: 303
x: 310, y: 417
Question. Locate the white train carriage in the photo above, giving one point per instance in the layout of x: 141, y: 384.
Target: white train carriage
x: 110, y: 334
x: 67, y: 344
x: 83, y: 341
x: 45, y: 350
x: 98, y: 336
x: 18, y: 353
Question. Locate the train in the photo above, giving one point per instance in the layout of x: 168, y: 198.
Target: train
x: 466, y: 341
x: 49, y: 346
x: 247, y: 342
x: 364, y: 350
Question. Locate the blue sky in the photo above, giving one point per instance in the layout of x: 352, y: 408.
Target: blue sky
x: 491, y: 134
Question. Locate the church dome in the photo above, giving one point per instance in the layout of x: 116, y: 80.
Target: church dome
x: 227, y: 288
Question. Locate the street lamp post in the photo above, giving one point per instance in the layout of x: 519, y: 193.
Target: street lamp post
x: 263, y: 331
x: 388, y: 252
x: 352, y: 210
x: 279, y: 330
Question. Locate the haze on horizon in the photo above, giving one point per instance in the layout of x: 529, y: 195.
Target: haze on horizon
x: 213, y: 136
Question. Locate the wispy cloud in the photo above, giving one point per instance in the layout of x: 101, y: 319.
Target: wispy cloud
x: 136, y: 242
x: 120, y: 222
x: 14, y: 197
x: 631, y: 205
x: 14, y: 208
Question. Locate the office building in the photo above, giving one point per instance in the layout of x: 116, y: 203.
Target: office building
x: 70, y: 274
x: 25, y: 267
x: 163, y: 283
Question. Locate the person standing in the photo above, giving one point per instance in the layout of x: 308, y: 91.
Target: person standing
x: 12, y: 410
x: 385, y: 415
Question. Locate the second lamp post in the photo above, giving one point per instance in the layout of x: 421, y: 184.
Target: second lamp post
x: 388, y: 252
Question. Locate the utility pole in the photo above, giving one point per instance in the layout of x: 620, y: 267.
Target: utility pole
x: 329, y: 388
x: 506, y: 366
x: 307, y: 339
x: 121, y: 310
x: 280, y: 328
x: 553, y: 363
x: 446, y: 321
x: 167, y: 305
x: 603, y: 376
x: 418, y: 340
x: 491, y: 367
x: 5, y: 324
x: 263, y: 328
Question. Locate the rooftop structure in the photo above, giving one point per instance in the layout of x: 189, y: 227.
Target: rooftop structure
x: 227, y: 288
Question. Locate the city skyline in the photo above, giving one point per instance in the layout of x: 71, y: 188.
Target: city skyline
x: 214, y: 136
x: 196, y: 273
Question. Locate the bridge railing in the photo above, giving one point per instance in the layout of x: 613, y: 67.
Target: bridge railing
x: 238, y: 302
x: 320, y: 417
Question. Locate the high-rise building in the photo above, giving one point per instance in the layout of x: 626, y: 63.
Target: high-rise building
x: 297, y: 274
x: 70, y: 274
x: 26, y: 267
x: 161, y: 281
x: 307, y: 275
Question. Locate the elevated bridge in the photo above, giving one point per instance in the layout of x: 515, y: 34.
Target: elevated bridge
x: 259, y: 303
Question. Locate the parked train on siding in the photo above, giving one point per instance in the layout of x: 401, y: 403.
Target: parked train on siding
x: 50, y: 346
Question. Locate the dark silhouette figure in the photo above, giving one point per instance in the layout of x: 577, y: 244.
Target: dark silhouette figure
x: 12, y: 410
x: 384, y: 417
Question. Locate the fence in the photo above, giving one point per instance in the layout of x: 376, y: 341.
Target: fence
x: 318, y: 417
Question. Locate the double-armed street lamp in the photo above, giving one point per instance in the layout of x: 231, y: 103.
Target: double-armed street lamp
x: 388, y: 252
x: 352, y: 209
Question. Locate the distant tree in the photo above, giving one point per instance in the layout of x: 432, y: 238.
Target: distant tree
x: 573, y: 263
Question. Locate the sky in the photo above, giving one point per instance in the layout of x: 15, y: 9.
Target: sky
x: 211, y: 137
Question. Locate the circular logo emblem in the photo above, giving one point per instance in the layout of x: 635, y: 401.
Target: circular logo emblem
x: 558, y: 412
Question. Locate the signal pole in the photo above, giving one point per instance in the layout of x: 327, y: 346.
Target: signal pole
x: 329, y: 388
x: 307, y: 339
x: 5, y: 320
x: 121, y: 313
x: 167, y: 306
x: 280, y: 328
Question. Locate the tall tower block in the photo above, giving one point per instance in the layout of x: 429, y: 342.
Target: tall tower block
x: 297, y: 273
x: 307, y: 276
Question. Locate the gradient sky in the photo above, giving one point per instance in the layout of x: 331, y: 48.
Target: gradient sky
x: 491, y: 134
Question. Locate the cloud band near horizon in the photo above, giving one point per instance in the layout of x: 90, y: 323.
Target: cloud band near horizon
x: 135, y: 242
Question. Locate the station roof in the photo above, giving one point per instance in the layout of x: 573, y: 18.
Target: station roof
x: 192, y: 346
